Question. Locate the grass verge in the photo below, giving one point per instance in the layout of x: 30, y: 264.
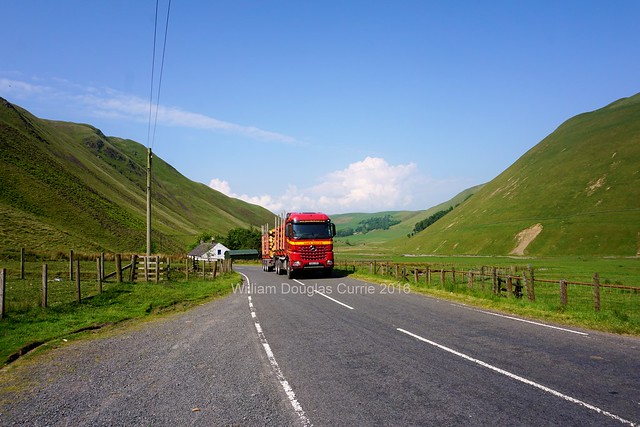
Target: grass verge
x: 621, y: 317
x: 21, y: 331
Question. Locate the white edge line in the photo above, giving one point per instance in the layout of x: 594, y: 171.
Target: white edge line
x: 522, y: 320
x: 274, y: 365
x: 519, y: 378
x: 326, y: 296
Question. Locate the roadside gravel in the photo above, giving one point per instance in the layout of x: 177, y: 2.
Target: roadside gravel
x: 202, y: 367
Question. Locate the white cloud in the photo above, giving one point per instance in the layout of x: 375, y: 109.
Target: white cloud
x: 23, y: 90
x: 221, y: 186
x: 370, y: 185
x: 113, y: 104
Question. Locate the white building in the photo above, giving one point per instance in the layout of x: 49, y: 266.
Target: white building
x: 211, y: 251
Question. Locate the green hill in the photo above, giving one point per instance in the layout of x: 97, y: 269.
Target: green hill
x: 377, y: 239
x: 67, y: 186
x: 575, y: 193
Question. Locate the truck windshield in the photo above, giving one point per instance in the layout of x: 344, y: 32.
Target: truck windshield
x: 312, y: 230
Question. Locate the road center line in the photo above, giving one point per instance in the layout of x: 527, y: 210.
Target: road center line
x: 274, y: 364
x: 326, y: 296
x: 519, y: 378
x: 522, y: 320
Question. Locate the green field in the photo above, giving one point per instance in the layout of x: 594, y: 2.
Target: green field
x: 620, y: 308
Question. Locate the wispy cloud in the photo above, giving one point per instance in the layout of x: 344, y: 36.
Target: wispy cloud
x: 370, y: 185
x: 112, y: 104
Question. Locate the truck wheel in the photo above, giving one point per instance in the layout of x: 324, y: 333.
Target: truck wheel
x: 290, y: 273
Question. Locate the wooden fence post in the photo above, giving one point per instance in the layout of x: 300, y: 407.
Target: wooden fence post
x: 442, y: 276
x: 119, y: 268
x: 71, y: 265
x: 78, y: 290
x: 429, y: 276
x: 134, y: 268
x: 146, y: 269
x: 214, y: 270
x: 157, y: 269
x: 494, y: 281
x: 596, y: 292
x: 470, y: 279
x: 101, y: 265
x: 99, y: 276
x: 22, y: 260
x: 563, y: 293
x: 453, y: 275
x: 509, y: 287
x: 3, y: 287
x: 531, y: 284
x: 45, y: 285
x: 168, y: 267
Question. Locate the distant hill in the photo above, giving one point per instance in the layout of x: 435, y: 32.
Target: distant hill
x: 378, y: 238
x: 67, y: 186
x: 577, y: 192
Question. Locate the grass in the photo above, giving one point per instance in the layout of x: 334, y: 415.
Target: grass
x: 67, y: 186
x: 28, y: 326
x: 581, y: 183
x: 619, y: 308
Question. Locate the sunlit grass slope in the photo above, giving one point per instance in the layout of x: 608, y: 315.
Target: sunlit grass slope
x: 575, y: 193
x: 67, y: 186
x: 375, y: 241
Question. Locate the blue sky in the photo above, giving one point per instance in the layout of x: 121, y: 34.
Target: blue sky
x: 339, y: 106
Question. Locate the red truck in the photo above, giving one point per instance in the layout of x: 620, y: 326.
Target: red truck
x: 300, y: 241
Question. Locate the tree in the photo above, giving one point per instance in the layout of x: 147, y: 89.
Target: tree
x: 243, y: 238
x: 430, y: 220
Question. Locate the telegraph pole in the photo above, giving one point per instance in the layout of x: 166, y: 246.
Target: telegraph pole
x: 149, y: 155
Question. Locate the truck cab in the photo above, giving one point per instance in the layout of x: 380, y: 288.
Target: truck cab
x: 302, y: 241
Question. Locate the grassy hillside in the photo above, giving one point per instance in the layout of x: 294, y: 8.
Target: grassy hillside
x: 67, y: 186
x: 575, y: 193
x: 375, y: 240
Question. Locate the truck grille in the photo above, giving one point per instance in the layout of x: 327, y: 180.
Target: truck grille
x: 313, y: 253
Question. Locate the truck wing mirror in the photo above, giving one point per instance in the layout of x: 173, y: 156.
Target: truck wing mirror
x: 333, y: 230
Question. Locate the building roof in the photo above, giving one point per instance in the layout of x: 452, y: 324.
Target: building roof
x: 238, y: 252
x: 205, y: 247
x: 201, y: 249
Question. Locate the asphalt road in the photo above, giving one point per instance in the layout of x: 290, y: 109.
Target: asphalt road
x: 376, y: 355
x: 331, y: 351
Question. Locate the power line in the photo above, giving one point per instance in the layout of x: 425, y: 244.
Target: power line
x: 164, y: 48
x: 153, y: 67
x: 150, y: 137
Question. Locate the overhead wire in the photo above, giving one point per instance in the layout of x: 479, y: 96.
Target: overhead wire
x: 164, y: 48
x: 153, y: 67
x: 151, y: 137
